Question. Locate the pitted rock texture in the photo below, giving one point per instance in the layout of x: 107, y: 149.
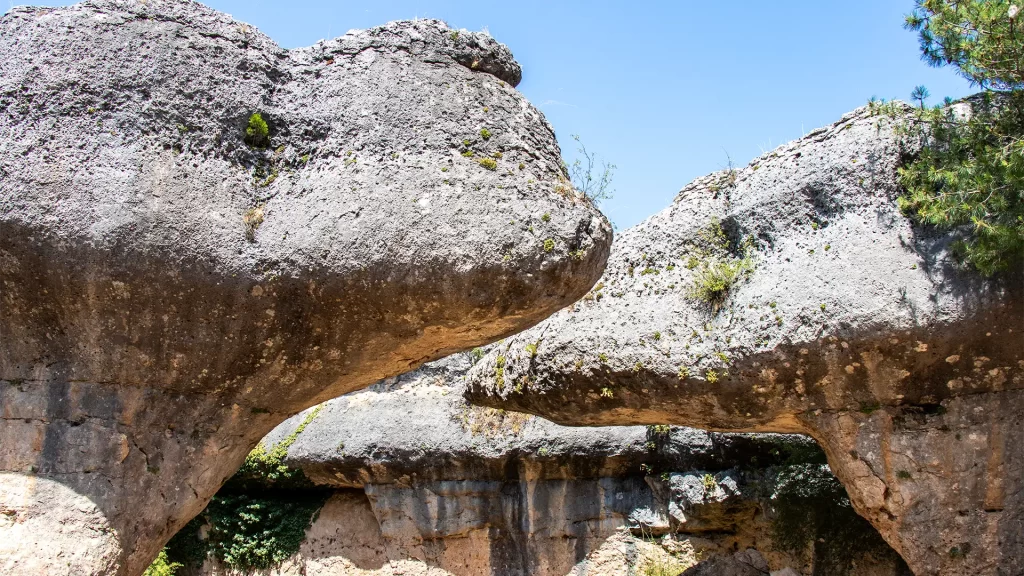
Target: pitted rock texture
x: 444, y: 488
x: 854, y: 326
x: 171, y: 293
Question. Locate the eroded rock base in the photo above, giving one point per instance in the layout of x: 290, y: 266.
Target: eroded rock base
x: 943, y: 482
x: 545, y: 528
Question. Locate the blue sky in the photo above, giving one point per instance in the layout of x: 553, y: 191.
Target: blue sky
x: 665, y: 90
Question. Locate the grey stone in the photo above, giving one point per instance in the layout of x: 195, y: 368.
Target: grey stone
x: 171, y: 293
x: 439, y: 474
x: 418, y: 426
x: 854, y: 326
x: 743, y: 563
x: 699, y: 501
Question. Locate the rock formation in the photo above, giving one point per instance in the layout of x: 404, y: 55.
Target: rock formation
x: 793, y: 296
x: 202, y: 234
x: 422, y: 483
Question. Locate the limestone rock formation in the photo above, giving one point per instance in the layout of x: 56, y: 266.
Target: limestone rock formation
x: 179, y: 276
x: 422, y: 483
x: 793, y: 296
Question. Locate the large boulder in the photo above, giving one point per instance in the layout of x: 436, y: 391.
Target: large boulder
x: 793, y: 296
x: 178, y: 277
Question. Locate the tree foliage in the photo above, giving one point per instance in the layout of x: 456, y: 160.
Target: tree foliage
x: 969, y: 174
x: 251, y: 531
x: 259, y: 517
x: 162, y: 566
x: 983, y: 39
x: 257, y: 132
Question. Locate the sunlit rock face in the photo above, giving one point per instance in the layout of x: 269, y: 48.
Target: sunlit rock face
x: 174, y: 286
x: 418, y: 482
x: 841, y: 319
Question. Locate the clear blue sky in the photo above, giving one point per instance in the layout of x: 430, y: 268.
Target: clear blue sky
x: 665, y: 90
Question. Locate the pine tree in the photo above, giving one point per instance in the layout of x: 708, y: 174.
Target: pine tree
x: 969, y: 176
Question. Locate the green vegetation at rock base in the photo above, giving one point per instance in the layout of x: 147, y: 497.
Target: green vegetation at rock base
x: 257, y: 520
x: 810, y: 512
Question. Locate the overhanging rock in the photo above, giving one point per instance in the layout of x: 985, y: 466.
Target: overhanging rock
x: 173, y: 286
x: 845, y: 322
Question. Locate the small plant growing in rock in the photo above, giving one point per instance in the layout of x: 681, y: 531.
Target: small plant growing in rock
x: 488, y: 163
x: 485, y: 133
x: 252, y: 219
x: 531, y: 349
x: 659, y: 429
x: 499, y: 372
x: 257, y: 132
x: 607, y: 393
x: 903, y: 475
x: 716, y: 278
x: 546, y: 217
x: 709, y: 483
x: 593, y: 182
x: 960, y: 551
x: 711, y: 376
x: 684, y: 372
x: 549, y: 245
x: 477, y: 354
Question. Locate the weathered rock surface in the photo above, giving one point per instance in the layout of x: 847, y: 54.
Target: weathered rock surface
x: 170, y: 293
x: 743, y: 563
x: 417, y: 427
x: 426, y: 484
x: 854, y: 326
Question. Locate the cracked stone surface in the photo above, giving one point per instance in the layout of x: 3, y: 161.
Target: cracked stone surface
x: 170, y: 292
x: 853, y: 325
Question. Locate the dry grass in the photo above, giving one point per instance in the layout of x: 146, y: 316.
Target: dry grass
x: 492, y: 421
x: 252, y: 219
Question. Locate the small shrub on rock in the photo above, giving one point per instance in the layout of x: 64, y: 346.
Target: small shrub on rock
x: 257, y: 133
